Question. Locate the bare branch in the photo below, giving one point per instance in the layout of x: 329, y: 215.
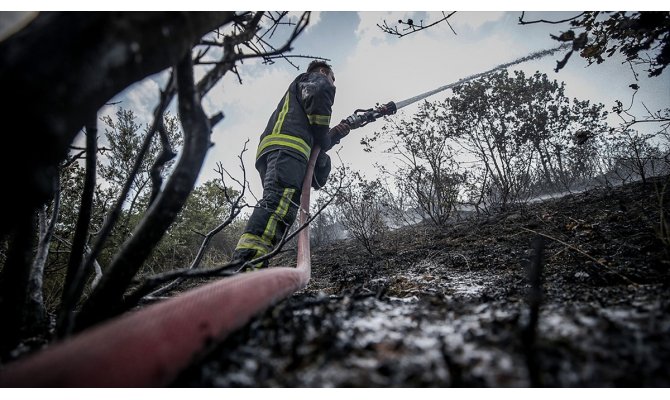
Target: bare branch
x: 228, y: 269
x: 96, y: 265
x: 235, y: 209
x: 661, y: 117
x: 72, y: 159
x: 409, y: 26
x: 139, y: 43
x: 106, y: 300
x: 112, y: 217
x: 76, y: 272
x: 163, y: 158
x: 299, y: 28
x: 229, y: 58
x: 582, y: 252
x: 544, y: 21
x: 36, y: 318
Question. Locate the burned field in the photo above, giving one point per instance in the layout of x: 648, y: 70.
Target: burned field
x: 454, y: 307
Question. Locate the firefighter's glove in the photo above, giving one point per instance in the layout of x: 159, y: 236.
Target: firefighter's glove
x: 321, y: 171
x: 338, y: 132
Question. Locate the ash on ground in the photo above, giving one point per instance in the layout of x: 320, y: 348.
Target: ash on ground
x: 450, y: 307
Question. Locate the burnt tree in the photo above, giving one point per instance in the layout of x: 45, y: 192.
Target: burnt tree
x: 63, y: 67
x: 56, y: 72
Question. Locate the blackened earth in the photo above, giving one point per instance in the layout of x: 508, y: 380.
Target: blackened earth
x: 450, y: 307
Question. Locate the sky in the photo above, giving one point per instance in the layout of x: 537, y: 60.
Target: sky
x: 373, y: 67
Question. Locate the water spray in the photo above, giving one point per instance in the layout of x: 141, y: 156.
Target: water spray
x: 362, y: 117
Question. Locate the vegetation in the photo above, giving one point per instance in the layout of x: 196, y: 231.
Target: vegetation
x: 502, y: 140
x: 633, y: 34
x: 361, y: 212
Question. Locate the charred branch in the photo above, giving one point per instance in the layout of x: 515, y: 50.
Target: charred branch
x: 165, y: 156
x: 81, y: 76
x: 661, y: 117
x: 534, y: 300
x: 232, y: 49
x: 230, y: 56
x: 106, y: 298
x: 76, y: 274
x: 115, y: 212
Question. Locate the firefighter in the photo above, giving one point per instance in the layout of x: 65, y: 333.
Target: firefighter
x: 300, y: 121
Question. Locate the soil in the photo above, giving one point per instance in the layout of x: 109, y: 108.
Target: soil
x: 455, y: 307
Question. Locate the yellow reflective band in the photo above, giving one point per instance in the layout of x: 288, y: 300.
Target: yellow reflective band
x: 279, y: 213
x: 251, y: 241
x: 250, y: 237
x: 319, y: 119
x: 280, y: 139
x: 260, y: 251
x: 282, y: 115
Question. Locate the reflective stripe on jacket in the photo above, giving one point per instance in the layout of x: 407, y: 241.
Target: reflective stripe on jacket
x: 302, y: 116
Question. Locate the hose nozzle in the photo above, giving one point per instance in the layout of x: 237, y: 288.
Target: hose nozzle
x: 362, y: 117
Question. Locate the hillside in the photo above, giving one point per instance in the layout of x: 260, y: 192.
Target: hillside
x: 442, y: 308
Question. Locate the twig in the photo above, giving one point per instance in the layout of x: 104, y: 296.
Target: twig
x: 228, y: 269
x: 77, y: 270
x: 300, y: 26
x: 529, y: 333
x: 163, y: 158
x: 581, y: 252
x: 544, y: 21
x: 112, y: 217
x: 107, y: 298
x: 96, y: 265
x: 410, y: 25
x: 235, y: 209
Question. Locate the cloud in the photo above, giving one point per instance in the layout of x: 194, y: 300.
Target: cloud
x: 314, y: 19
x: 141, y: 97
x: 472, y: 21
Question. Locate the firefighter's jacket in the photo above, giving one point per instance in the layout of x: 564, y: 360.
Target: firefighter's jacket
x: 302, y: 117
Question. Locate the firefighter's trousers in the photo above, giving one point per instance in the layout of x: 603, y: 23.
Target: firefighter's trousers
x: 282, y: 173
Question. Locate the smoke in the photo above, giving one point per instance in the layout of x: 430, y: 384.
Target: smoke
x: 529, y: 57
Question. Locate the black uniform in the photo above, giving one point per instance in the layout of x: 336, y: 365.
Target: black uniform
x: 301, y: 119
